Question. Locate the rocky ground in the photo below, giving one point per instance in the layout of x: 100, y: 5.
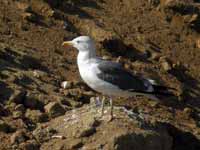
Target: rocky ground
x: 157, y: 38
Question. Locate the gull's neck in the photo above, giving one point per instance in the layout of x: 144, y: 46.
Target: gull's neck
x: 84, y: 57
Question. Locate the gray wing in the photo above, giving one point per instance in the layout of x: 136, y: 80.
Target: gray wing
x: 115, y: 74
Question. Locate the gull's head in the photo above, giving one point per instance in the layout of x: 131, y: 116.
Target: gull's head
x: 82, y: 43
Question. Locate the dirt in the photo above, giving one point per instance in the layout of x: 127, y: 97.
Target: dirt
x: 158, y: 39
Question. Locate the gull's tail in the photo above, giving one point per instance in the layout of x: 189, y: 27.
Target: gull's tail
x: 162, y: 90
x: 159, y: 90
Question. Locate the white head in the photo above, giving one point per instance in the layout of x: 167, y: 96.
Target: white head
x: 82, y: 43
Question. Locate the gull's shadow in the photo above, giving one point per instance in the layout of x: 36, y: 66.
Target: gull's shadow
x: 117, y: 48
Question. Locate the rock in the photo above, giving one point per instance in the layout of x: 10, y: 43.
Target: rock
x: 3, y: 111
x: 54, y: 109
x: 97, y: 32
x: 24, y: 7
x: 18, y: 137
x: 190, y: 18
x: 36, y: 116
x: 4, y: 127
x: 154, y: 3
x: 188, y: 111
x: 70, y: 103
x: 198, y: 43
x: 150, y: 140
x: 43, y: 134
x: 88, y: 131
x: 106, y: 57
x: 29, y: 145
x: 32, y: 17
x: 165, y: 64
x: 39, y: 73
x: 66, y: 84
x: 89, y: 128
x: 155, y: 56
x: 18, y: 96
x: 17, y: 114
x: 33, y: 101
x: 20, y: 107
x: 76, y: 144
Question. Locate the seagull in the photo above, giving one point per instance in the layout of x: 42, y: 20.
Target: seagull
x: 110, y: 78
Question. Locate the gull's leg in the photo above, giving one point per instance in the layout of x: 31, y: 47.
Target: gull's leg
x: 102, y: 106
x: 111, y: 109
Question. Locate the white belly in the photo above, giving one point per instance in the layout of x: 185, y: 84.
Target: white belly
x: 89, y: 76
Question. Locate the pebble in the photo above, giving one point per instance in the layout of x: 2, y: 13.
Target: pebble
x: 155, y: 56
x: 188, y: 111
x: 54, y: 109
x: 30, y: 17
x: 17, y: 114
x: 29, y: 145
x: 105, y: 57
x: 198, y: 43
x: 18, y: 137
x: 165, y: 64
x: 66, y: 84
x: 58, y: 137
x: 36, y: 116
x: 38, y: 73
x: 87, y: 131
x: 32, y: 101
x: 4, y: 127
x: 3, y: 110
x: 190, y: 18
x: 18, y: 96
x: 20, y: 107
x: 43, y: 134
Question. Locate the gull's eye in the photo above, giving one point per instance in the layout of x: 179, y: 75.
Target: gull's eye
x: 78, y: 41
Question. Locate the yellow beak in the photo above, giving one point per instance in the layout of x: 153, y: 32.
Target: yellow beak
x: 67, y: 44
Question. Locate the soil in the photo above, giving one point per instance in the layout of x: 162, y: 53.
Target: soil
x: 159, y: 39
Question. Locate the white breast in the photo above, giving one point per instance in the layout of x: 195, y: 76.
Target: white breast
x: 89, y: 73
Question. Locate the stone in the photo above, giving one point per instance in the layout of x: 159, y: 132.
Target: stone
x: 188, y: 111
x: 106, y: 57
x: 17, y: 114
x: 88, y: 131
x: 155, y: 56
x: 54, y: 109
x: 190, y: 18
x: 39, y: 73
x: 18, y: 96
x: 76, y: 144
x: 20, y: 107
x: 66, y: 84
x: 4, y: 127
x: 150, y: 140
x: 33, y: 101
x: 36, y: 116
x: 43, y: 134
x: 154, y: 3
x: 18, y: 137
x: 198, y: 43
x: 3, y: 111
x: 165, y: 64
x: 29, y: 145
x: 32, y: 17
